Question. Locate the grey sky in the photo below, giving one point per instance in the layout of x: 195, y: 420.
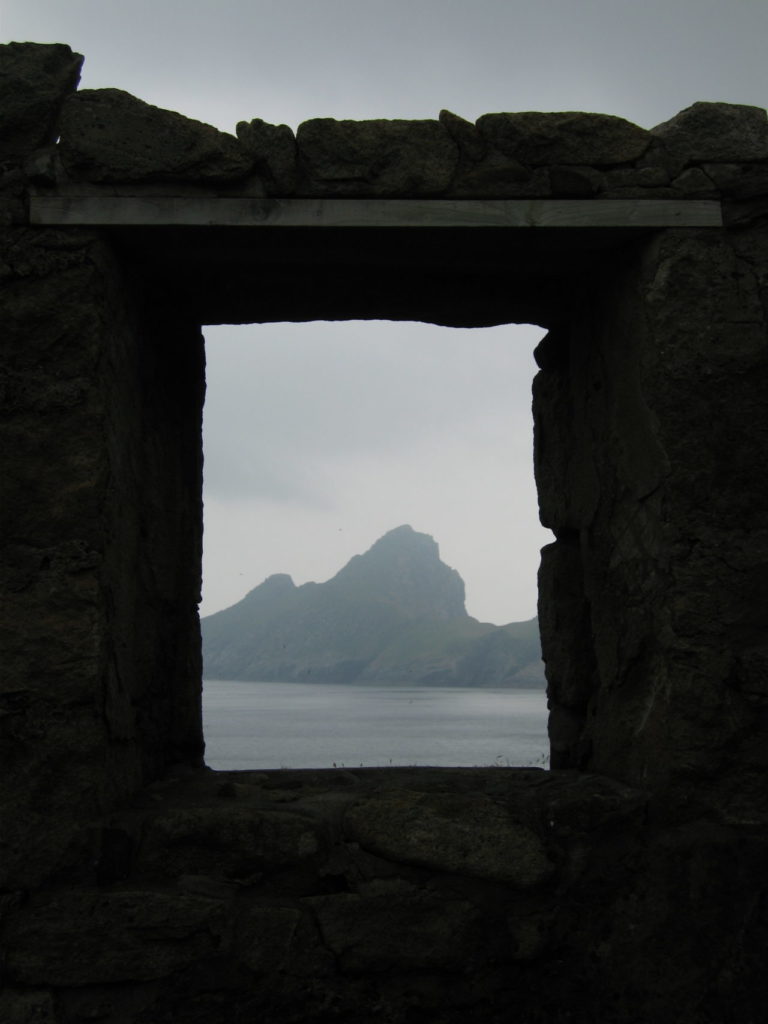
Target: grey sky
x: 320, y: 438
x: 317, y: 438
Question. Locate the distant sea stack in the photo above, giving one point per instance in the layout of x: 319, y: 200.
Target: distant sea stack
x: 395, y: 614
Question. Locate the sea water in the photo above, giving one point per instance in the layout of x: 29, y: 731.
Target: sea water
x: 298, y: 725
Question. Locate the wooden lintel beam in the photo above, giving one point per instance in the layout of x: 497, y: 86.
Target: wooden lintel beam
x: 197, y: 211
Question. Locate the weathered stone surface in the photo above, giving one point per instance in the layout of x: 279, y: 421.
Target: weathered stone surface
x: 634, y: 181
x: 500, y: 177
x: 376, y: 158
x: 695, y: 182
x: 35, y: 79
x: 652, y: 383
x: 447, y: 832
x: 93, y: 938
x: 580, y: 804
x: 364, y: 932
x: 229, y: 841
x: 273, y: 150
x: 565, y: 629
x: 739, y: 181
x: 465, y: 134
x: 564, y: 138
x: 722, y: 132
x: 264, y: 936
x: 380, y: 933
x: 108, y: 135
x: 74, y: 669
x: 25, y: 1007
x: 573, y: 181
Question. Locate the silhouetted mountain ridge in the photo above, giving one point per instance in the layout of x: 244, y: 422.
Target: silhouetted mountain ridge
x: 394, y: 614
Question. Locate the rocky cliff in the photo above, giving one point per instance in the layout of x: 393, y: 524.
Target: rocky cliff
x: 393, y: 614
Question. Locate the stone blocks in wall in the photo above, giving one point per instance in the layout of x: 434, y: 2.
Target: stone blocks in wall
x: 110, y: 138
x: 279, y: 894
x: 376, y: 158
x: 98, y: 611
x: 537, y: 139
x: 654, y: 397
x: 35, y: 80
x: 272, y: 148
x: 55, y: 486
x: 715, y: 132
x: 107, y: 135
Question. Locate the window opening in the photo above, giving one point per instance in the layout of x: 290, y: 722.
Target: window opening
x: 320, y: 440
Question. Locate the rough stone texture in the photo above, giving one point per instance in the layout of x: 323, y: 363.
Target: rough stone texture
x: 660, y: 516
x: 624, y: 928
x: 634, y: 182
x: 465, y: 134
x: 232, y: 842
x: 272, y: 148
x: 99, y: 644
x: 716, y: 132
x: 575, y: 182
x: 390, y: 931
x: 27, y: 1007
x: 73, y: 938
x: 35, y: 80
x: 108, y: 135
x: 696, y: 183
x: 565, y: 628
x: 466, y: 835
x: 564, y: 138
x: 375, y: 158
x: 500, y: 177
x: 739, y: 181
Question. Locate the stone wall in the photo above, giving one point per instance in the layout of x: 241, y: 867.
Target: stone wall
x: 627, y: 884
x: 116, y: 142
x: 101, y: 663
x: 650, y: 416
x: 403, y: 895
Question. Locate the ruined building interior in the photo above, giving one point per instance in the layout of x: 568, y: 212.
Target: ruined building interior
x: 626, y: 884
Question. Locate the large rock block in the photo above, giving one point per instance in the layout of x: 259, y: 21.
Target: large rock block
x: 94, y: 938
x: 227, y: 842
x: 393, y: 931
x: 25, y: 1007
x: 725, y: 132
x: 273, y: 149
x: 566, y: 635
x: 376, y: 158
x: 536, y: 138
x: 109, y: 135
x: 450, y: 832
x: 35, y: 80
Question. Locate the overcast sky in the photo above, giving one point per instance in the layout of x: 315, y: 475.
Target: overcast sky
x: 318, y: 439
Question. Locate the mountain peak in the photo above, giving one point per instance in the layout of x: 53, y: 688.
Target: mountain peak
x: 406, y: 537
x: 400, y: 531
x: 279, y: 580
x: 403, y: 568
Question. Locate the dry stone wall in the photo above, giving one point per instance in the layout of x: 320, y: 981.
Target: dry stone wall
x: 710, y: 150
x: 628, y: 884
x: 100, y: 625
x: 643, y: 455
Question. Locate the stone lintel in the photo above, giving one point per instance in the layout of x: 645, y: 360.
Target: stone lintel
x: 164, y: 211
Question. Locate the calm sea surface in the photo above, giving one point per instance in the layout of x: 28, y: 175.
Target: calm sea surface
x: 299, y: 725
